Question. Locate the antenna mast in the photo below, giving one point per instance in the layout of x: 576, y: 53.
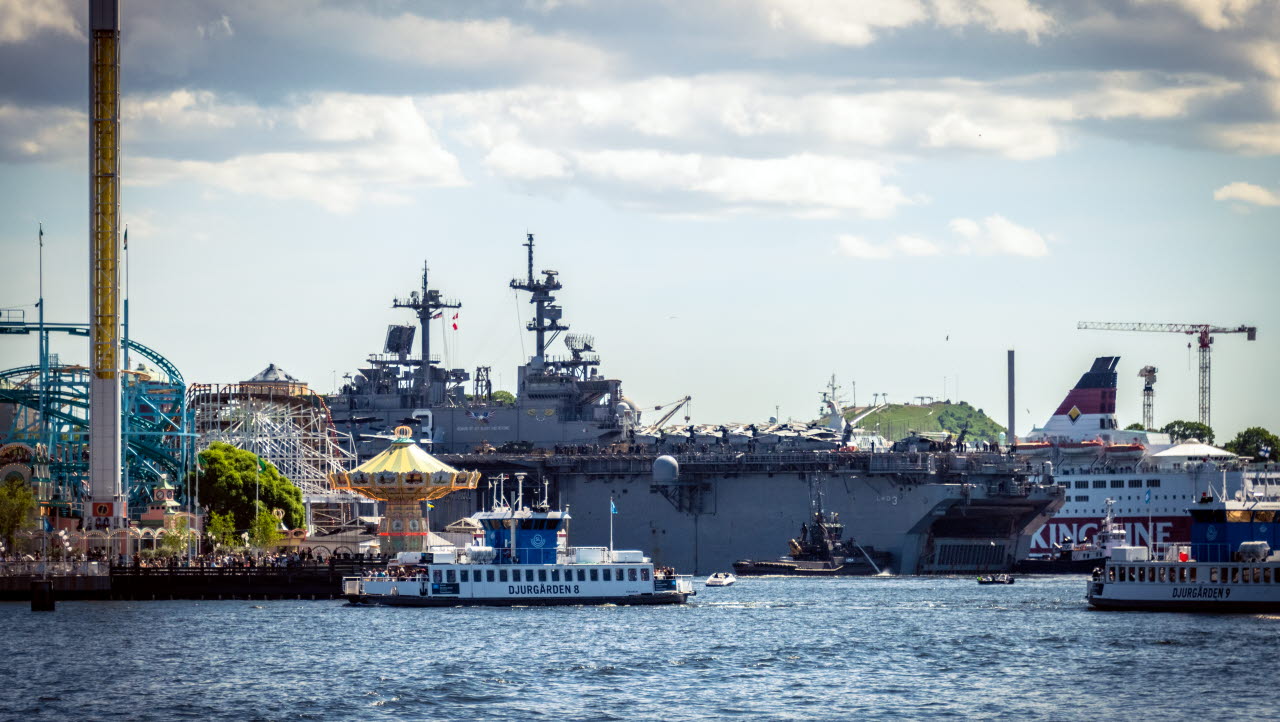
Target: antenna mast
x: 547, y: 314
x: 425, y: 305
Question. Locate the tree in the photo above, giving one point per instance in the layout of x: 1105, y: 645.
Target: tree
x: 264, y: 531
x: 229, y: 479
x: 1183, y: 430
x: 504, y: 397
x: 1255, y: 442
x: 1135, y: 427
x: 16, y: 504
x: 222, y: 529
x: 175, y: 539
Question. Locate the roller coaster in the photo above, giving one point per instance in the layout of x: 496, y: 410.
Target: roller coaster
x: 44, y: 412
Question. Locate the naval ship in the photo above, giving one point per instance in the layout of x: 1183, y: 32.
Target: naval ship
x: 698, y: 498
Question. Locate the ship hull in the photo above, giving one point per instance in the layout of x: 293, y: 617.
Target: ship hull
x: 416, y: 601
x: 726, y: 508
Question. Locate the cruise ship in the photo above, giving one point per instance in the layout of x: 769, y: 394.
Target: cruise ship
x: 697, y: 498
x: 1151, y: 479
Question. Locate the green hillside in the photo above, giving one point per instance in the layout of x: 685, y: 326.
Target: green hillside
x: 898, y: 420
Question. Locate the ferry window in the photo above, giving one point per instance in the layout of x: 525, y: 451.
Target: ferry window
x: 451, y: 576
x: 1117, y: 483
x: 618, y: 576
x: 435, y: 576
x: 1153, y: 483
x: 595, y: 575
x: 644, y: 574
x: 1266, y: 576
x: 1257, y: 575
x: 631, y: 574
x: 1162, y: 574
x: 515, y: 575
x: 1135, y: 483
x: 1235, y: 575
x: 1189, y: 576
x: 1081, y: 497
x: 488, y: 575
x: 582, y: 575
x: 1082, y: 485
x: 502, y: 575
x: 1100, y: 484
x: 555, y: 575
x: 542, y: 575
x: 1142, y: 574
x: 608, y: 575
x: 1111, y: 574
x: 1133, y: 574
x: 464, y: 576
x: 1213, y: 574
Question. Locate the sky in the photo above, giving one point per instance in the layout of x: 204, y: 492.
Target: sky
x: 742, y: 198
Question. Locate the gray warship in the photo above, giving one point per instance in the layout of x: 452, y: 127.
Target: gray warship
x: 699, y: 497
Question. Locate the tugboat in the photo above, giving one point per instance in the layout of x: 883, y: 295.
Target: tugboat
x: 820, y: 551
x: 1229, y: 566
x: 519, y: 556
x: 1079, y: 558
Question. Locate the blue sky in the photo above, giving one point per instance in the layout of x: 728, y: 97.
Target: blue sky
x: 742, y: 198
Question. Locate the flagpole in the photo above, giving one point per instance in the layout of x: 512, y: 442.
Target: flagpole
x: 612, y: 510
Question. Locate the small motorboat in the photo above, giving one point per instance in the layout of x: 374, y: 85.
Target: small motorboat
x: 996, y: 579
x: 721, y: 579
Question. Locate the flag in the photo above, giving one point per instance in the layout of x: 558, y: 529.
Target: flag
x: 455, y: 322
x: 262, y: 465
x: 613, y: 508
x: 437, y: 315
x: 430, y: 505
x: 1148, y: 496
x: 126, y: 238
x: 42, y: 235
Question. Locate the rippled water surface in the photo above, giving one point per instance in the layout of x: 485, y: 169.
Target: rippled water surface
x: 764, y: 648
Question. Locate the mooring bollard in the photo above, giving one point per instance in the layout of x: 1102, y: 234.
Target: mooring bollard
x: 42, y: 595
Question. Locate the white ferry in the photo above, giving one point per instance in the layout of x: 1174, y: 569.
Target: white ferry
x: 1151, y: 479
x: 1228, y: 566
x: 519, y: 557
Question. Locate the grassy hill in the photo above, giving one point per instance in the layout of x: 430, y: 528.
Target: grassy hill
x: 897, y: 420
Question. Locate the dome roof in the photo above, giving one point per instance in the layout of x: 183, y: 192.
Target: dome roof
x: 273, y: 374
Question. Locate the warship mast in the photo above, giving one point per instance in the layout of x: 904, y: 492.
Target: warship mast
x: 426, y: 306
x: 547, y: 315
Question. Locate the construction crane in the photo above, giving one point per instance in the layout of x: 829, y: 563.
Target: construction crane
x: 1148, y: 376
x: 1202, y: 331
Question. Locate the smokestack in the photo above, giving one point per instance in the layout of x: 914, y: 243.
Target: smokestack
x: 1012, y: 436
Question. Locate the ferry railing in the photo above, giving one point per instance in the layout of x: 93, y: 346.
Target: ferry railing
x: 54, y: 569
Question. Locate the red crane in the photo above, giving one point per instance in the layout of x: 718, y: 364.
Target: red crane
x: 1203, y: 331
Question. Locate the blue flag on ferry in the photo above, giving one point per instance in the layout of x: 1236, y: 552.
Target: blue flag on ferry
x: 613, y: 508
x: 1148, y: 496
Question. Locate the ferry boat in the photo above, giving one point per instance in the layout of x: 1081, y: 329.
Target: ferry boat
x: 519, y: 557
x: 1228, y: 566
x: 1150, y: 478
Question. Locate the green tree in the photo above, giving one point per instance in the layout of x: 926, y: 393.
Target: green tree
x: 1183, y: 430
x: 1135, y: 427
x: 265, y: 530
x: 222, y: 529
x: 16, y: 505
x: 230, y: 478
x: 1255, y: 442
x: 504, y: 397
x: 175, y: 539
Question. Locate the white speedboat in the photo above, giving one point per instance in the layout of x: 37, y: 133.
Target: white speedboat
x: 721, y: 579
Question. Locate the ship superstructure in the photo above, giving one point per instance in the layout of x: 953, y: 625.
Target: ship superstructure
x: 1151, y: 479
x: 698, y: 497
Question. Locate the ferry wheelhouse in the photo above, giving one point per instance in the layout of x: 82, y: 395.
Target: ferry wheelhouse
x: 1229, y: 565
x: 519, y: 557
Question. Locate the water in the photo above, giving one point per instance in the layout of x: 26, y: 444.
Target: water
x: 764, y: 648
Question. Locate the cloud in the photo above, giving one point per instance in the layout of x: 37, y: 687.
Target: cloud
x: 1247, y: 193
x: 1212, y: 14
x: 21, y: 20
x: 994, y: 236
x: 351, y: 149
x: 42, y: 134
x: 1249, y: 138
x: 997, y: 235
x: 1005, y: 16
x: 840, y: 23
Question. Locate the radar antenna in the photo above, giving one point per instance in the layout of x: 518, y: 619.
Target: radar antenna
x: 546, y: 315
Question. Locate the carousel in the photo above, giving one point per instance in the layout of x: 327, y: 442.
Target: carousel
x: 404, y: 476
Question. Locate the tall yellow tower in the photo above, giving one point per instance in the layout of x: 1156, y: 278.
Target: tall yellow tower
x: 108, y: 501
